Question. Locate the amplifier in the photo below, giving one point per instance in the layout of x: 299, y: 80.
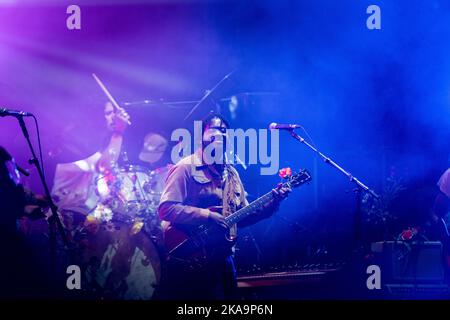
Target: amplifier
x: 402, y: 261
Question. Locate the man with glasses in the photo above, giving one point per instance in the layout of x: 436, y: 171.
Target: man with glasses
x: 203, y: 189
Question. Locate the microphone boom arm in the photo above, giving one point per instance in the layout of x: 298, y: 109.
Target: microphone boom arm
x: 360, y: 187
x: 329, y: 161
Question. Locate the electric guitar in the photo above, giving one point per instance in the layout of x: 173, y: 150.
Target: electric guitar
x: 209, y: 242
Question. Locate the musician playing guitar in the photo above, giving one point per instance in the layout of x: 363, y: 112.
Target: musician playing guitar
x: 194, y: 194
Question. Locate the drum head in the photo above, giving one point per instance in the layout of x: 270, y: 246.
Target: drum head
x: 127, y: 191
x: 122, y: 265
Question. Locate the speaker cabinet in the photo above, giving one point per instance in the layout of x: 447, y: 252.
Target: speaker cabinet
x: 412, y: 262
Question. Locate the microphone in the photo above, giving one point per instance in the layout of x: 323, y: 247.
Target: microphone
x: 14, y: 113
x: 281, y: 126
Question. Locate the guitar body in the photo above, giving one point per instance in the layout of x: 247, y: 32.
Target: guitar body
x: 199, y: 247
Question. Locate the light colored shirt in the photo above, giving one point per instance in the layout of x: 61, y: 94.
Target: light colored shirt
x: 192, y: 187
x: 444, y: 183
x: 74, y: 185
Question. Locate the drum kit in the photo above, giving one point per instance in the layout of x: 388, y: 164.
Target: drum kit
x: 129, y: 192
x: 118, y: 244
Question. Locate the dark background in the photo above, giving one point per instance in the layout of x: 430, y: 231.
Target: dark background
x: 376, y: 101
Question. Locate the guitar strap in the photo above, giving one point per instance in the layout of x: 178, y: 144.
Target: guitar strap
x: 233, y: 196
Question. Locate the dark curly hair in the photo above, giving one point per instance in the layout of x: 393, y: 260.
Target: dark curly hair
x: 207, y: 120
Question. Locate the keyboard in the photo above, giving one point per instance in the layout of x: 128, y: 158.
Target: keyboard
x: 287, y: 275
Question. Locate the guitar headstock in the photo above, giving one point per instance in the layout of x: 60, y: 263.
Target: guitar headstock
x: 295, y: 179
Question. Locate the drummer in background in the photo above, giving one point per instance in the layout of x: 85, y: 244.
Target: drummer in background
x: 75, y: 193
x: 116, y: 122
x: 74, y: 183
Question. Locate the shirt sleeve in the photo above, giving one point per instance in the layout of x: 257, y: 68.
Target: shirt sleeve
x: 172, y: 205
x: 74, y: 184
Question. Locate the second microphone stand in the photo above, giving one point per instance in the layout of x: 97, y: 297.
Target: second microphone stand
x: 360, y: 187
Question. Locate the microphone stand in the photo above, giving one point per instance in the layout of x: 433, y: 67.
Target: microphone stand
x: 53, y: 220
x: 208, y: 94
x: 360, y: 187
x: 187, y: 103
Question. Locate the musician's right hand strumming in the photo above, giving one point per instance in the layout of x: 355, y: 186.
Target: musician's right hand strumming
x: 216, y: 216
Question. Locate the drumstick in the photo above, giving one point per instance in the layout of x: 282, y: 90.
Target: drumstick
x: 110, y: 97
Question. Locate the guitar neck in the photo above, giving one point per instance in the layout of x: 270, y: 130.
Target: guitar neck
x: 250, y: 209
x: 295, y: 181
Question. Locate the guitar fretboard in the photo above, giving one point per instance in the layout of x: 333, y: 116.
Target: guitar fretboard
x: 259, y: 203
x: 248, y: 210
